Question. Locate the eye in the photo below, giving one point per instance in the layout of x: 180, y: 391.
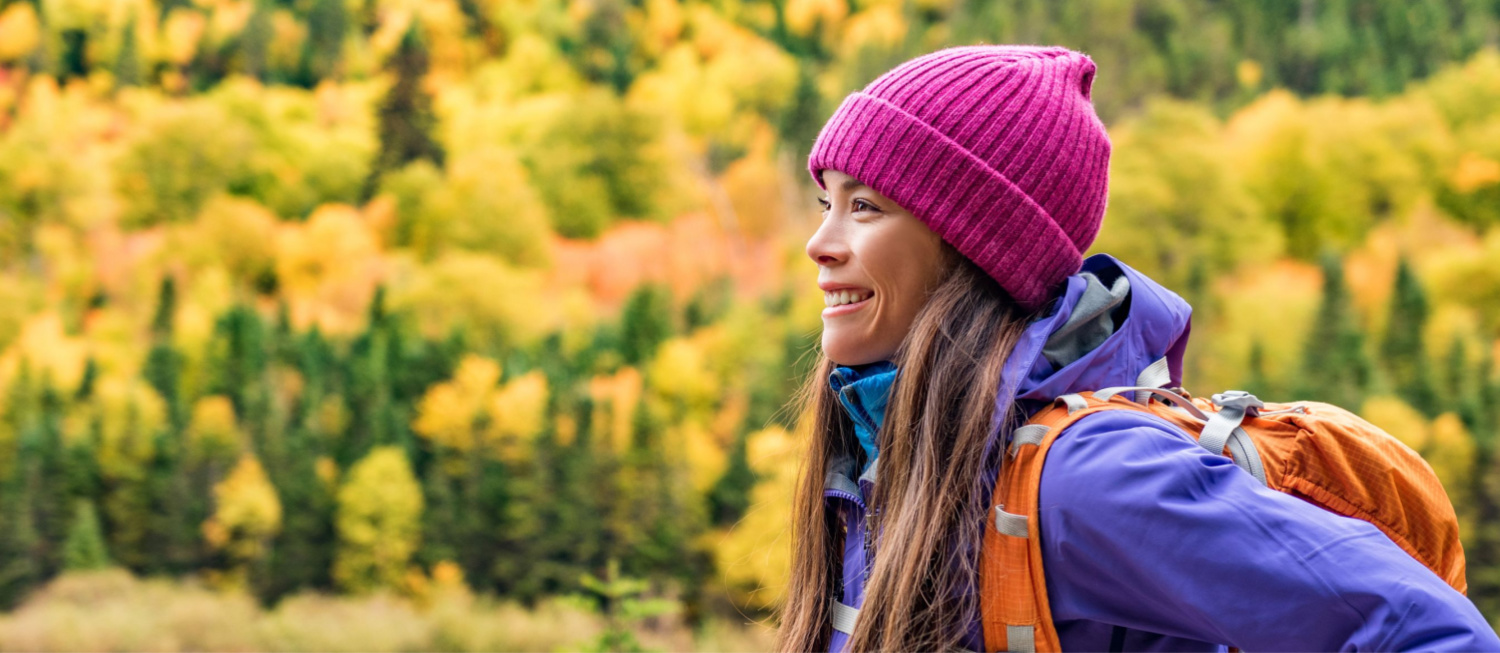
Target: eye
x: 824, y: 203
x: 862, y: 205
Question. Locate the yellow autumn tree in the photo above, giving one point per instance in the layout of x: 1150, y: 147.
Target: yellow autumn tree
x: 755, y: 554
x: 379, y: 522
x: 213, y: 431
x: 516, y: 413
x: 680, y: 373
x: 183, y: 154
x: 21, y: 29
x: 485, y: 202
x: 1398, y: 418
x: 247, y: 514
x: 510, y: 308
x: 473, y: 410
x: 1174, y: 203
x: 455, y: 412
x: 328, y: 268
x: 234, y: 233
x: 1466, y: 274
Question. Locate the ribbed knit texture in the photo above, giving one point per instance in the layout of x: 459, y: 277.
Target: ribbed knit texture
x: 995, y: 147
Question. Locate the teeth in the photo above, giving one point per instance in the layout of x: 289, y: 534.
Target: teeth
x: 841, y: 297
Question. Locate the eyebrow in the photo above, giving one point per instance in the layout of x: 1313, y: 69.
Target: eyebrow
x: 851, y: 184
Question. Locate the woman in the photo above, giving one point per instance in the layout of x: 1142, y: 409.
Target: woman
x: 962, y: 187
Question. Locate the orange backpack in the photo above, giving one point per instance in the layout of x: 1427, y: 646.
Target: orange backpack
x: 1316, y: 452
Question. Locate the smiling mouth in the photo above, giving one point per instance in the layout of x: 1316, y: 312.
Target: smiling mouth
x: 844, y: 297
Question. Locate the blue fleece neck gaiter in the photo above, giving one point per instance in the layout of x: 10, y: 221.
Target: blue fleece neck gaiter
x: 864, y: 391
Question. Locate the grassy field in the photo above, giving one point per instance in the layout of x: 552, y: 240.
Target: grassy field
x: 113, y: 611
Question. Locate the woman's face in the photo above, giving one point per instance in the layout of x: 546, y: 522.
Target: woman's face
x: 876, y: 264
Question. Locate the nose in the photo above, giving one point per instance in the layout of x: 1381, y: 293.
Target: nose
x: 828, y: 246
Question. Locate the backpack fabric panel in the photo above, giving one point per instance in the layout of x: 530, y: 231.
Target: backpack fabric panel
x: 1335, y: 459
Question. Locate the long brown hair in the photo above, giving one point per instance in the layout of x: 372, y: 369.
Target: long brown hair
x: 929, y: 498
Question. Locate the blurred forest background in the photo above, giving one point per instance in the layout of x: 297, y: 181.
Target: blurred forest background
x: 469, y: 324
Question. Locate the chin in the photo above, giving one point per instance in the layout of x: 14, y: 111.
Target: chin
x: 850, y: 354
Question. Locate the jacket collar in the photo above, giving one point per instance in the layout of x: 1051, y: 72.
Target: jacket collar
x: 864, y: 391
x: 1148, y: 324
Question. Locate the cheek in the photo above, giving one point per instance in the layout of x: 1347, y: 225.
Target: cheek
x: 910, y: 268
x: 902, y: 283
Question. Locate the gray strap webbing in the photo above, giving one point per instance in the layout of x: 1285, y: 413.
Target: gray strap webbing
x: 837, y: 481
x: 1156, y: 375
x: 1074, y: 403
x: 1246, y: 456
x: 1009, y: 524
x: 1223, y: 429
x: 1161, y: 393
x: 843, y: 618
x: 869, y: 475
x: 1029, y: 434
x: 1219, y: 427
x: 1020, y: 639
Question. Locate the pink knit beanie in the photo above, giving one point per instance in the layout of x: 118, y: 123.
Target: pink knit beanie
x: 995, y: 147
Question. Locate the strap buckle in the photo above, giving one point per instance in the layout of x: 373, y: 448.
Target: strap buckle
x: 1238, y: 399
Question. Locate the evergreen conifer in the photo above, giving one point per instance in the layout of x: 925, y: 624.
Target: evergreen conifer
x: 84, y: 549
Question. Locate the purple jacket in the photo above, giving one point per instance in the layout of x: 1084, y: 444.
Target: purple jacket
x: 1152, y: 543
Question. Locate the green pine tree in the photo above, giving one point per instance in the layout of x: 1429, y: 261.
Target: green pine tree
x: 404, y: 119
x: 1464, y: 389
x: 84, y: 548
x: 369, y: 389
x: 729, y: 498
x: 22, y: 543
x: 302, y: 553
x: 177, y: 487
x: 87, y: 380
x: 128, y: 61
x: 323, y: 51
x: 163, y: 366
x: 74, y: 62
x: 656, y: 526
x: 1335, y: 367
x: 440, y: 538
x: 51, y: 501
x: 238, y: 359
x: 255, y: 42
x: 1257, y: 380
x: 1482, y: 546
x: 20, y: 546
x: 493, y: 502
x: 605, y: 49
x: 1403, y: 351
x: 646, y: 322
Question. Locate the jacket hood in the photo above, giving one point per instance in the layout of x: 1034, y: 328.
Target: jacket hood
x: 1109, y: 324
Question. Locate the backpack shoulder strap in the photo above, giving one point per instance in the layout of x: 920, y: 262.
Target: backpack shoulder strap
x: 1014, y: 609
